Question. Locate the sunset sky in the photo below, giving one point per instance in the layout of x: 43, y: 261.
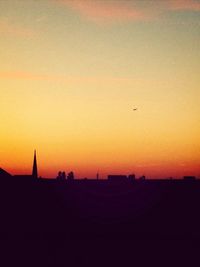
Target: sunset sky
x: 71, y: 73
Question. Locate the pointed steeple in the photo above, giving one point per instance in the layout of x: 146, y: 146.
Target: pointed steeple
x: 35, y: 172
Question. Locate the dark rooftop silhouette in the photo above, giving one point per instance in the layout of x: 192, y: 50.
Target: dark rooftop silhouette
x: 4, y: 173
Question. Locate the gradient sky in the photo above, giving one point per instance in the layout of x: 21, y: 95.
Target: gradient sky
x: 72, y: 71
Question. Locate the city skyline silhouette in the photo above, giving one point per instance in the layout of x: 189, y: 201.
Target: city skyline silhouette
x: 70, y: 176
x: 75, y: 221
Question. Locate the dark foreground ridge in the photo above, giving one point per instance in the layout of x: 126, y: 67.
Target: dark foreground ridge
x: 98, y: 222
x: 103, y: 208
x: 77, y: 222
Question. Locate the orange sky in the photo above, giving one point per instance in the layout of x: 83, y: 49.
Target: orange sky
x: 71, y: 73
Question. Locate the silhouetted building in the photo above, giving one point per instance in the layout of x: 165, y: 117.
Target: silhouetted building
x: 61, y: 176
x: 117, y: 178
x: 70, y: 176
x: 131, y: 177
x: 23, y: 177
x: 142, y: 178
x: 35, y: 171
x: 4, y: 174
x: 189, y: 178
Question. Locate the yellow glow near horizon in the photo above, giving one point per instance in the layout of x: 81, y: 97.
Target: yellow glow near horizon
x: 69, y: 82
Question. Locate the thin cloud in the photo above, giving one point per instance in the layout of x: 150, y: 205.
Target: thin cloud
x: 181, y: 5
x: 102, y: 12
x: 22, y: 75
x: 9, y: 28
x: 106, y: 11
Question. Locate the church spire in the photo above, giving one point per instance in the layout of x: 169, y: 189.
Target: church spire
x: 35, y: 172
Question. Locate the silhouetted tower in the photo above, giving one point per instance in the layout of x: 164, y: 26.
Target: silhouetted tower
x: 35, y: 172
